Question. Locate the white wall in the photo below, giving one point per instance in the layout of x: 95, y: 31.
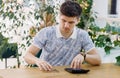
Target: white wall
x: 101, y: 6
x: 118, y: 8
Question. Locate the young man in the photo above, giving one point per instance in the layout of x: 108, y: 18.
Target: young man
x: 61, y: 44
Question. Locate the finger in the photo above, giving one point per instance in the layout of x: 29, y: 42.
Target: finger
x: 40, y: 67
x: 49, y: 67
x: 72, y: 64
x: 77, y: 63
x: 43, y: 66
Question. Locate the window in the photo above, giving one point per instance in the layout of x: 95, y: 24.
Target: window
x: 112, y: 6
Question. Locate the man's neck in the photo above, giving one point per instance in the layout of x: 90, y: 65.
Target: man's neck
x: 66, y: 35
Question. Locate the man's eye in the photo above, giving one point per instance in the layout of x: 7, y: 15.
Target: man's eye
x: 64, y: 21
x: 71, y: 22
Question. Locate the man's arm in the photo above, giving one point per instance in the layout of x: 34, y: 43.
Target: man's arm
x: 92, y: 57
x: 31, y: 59
x: 30, y: 55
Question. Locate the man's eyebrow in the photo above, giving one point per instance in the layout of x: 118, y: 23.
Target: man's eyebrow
x: 71, y: 22
x: 63, y: 20
x: 68, y: 21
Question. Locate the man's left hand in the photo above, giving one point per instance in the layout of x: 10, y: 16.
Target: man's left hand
x: 77, y: 61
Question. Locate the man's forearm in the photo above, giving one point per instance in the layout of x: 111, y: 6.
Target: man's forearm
x: 93, y: 59
x: 30, y: 59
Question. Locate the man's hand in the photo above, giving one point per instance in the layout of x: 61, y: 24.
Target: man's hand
x: 77, y: 61
x: 43, y: 65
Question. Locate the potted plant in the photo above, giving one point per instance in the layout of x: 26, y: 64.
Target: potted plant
x: 100, y: 36
x: 8, y: 50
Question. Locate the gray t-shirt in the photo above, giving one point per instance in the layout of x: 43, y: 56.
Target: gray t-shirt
x: 57, y: 50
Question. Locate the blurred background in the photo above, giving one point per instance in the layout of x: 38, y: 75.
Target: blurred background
x: 20, y: 20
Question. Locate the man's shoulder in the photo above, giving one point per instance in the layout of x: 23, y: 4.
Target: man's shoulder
x: 48, y: 28
x: 81, y: 31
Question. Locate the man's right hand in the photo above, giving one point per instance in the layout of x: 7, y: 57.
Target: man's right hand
x: 43, y: 65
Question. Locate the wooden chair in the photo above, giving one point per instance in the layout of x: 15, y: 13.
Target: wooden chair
x: 11, y: 53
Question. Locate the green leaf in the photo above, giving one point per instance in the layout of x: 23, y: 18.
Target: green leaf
x: 107, y: 49
x: 118, y: 60
x: 11, y: 15
x: 1, y: 1
x: 79, y: 1
x: 116, y: 43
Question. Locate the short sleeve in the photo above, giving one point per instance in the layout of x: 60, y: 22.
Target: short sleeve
x: 40, y: 38
x: 87, y: 43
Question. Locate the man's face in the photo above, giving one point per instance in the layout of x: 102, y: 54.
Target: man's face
x: 67, y: 24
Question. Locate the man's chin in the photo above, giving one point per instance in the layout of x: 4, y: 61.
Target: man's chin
x: 66, y: 31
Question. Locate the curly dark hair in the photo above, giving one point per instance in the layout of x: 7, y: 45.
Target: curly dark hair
x: 71, y: 9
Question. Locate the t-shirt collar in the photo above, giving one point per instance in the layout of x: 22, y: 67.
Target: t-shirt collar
x: 58, y: 33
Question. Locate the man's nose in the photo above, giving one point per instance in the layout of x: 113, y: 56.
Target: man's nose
x: 67, y: 25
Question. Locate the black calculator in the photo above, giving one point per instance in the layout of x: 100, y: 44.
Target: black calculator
x: 76, y: 71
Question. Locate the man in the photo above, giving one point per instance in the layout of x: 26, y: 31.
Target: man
x: 61, y: 44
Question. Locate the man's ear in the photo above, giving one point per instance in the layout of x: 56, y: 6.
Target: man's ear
x: 78, y: 20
